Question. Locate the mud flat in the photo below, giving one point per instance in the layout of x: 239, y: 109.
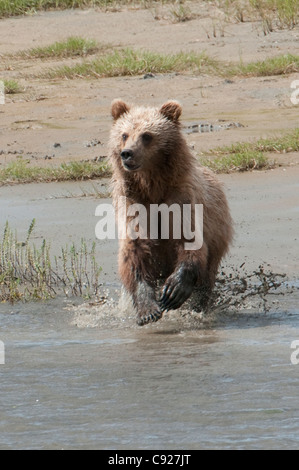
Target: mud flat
x: 264, y: 206
x: 76, y: 113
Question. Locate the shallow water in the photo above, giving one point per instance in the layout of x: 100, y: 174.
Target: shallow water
x: 86, y: 377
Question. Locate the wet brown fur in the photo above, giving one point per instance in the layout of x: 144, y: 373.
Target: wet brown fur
x: 166, y: 172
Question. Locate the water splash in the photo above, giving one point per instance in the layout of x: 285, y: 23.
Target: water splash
x: 236, y: 291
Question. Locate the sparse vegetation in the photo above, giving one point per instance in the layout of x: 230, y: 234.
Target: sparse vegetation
x: 237, y: 157
x: 20, y: 171
x: 11, y: 87
x: 22, y: 7
x: 272, y: 13
x: 276, y: 13
x: 279, y: 65
x: 31, y: 273
x: 248, y: 156
x: 283, y: 144
x: 128, y: 61
x: 71, y: 47
x: 243, y: 161
x: 180, y: 14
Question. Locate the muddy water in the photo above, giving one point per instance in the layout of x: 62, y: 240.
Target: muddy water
x: 174, y: 385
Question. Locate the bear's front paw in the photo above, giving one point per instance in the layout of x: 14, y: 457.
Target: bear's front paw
x: 151, y: 317
x: 148, y: 310
x: 177, y: 289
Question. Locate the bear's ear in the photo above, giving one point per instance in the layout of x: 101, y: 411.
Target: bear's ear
x: 118, y: 108
x: 171, y: 110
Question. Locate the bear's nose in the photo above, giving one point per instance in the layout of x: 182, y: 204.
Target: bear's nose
x: 126, y: 154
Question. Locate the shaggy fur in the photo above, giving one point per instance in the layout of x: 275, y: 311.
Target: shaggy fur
x: 153, y: 165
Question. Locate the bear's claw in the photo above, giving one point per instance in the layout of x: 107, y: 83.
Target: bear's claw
x: 174, y: 299
x: 150, y: 318
x: 177, y: 290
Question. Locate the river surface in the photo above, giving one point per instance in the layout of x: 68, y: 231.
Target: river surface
x: 84, y: 376
x: 227, y: 386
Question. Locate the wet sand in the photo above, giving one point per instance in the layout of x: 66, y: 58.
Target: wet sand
x: 76, y: 113
x: 264, y: 206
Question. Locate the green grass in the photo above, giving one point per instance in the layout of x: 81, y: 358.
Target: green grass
x: 180, y: 14
x: 237, y: 157
x: 22, y: 7
x: 71, y: 47
x: 28, y: 272
x: 272, y: 13
x: 11, y: 87
x: 276, y: 13
x: 288, y: 12
x: 244, y: 156
x: 279, y: 65
x: 20, y: 171
x: 244, y: 161
x: 131, y: 62
x: 282, y: 144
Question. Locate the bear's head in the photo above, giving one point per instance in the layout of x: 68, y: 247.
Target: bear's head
x: 144, y: 138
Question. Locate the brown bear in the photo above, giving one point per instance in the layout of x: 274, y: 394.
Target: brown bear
x: 152, y: 164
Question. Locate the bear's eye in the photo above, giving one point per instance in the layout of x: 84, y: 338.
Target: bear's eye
x: 147, y: 138
x: 124, y: 137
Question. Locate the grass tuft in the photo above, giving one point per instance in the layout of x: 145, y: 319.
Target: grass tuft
x: 280, y: 65
x: 244, y: 156
x: 11, y: 87
x: 286, y: 143
x: 276, y: 13
x: 22, y: 7
x: 31, y: 273
x: 272, y: 13
x: 130, y: 62
x: 244, y: 161
x: 126, y: 62
x: 20, y: 171
x: 181, y: 14
x: 237, y: 157
x: 71, y: 47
